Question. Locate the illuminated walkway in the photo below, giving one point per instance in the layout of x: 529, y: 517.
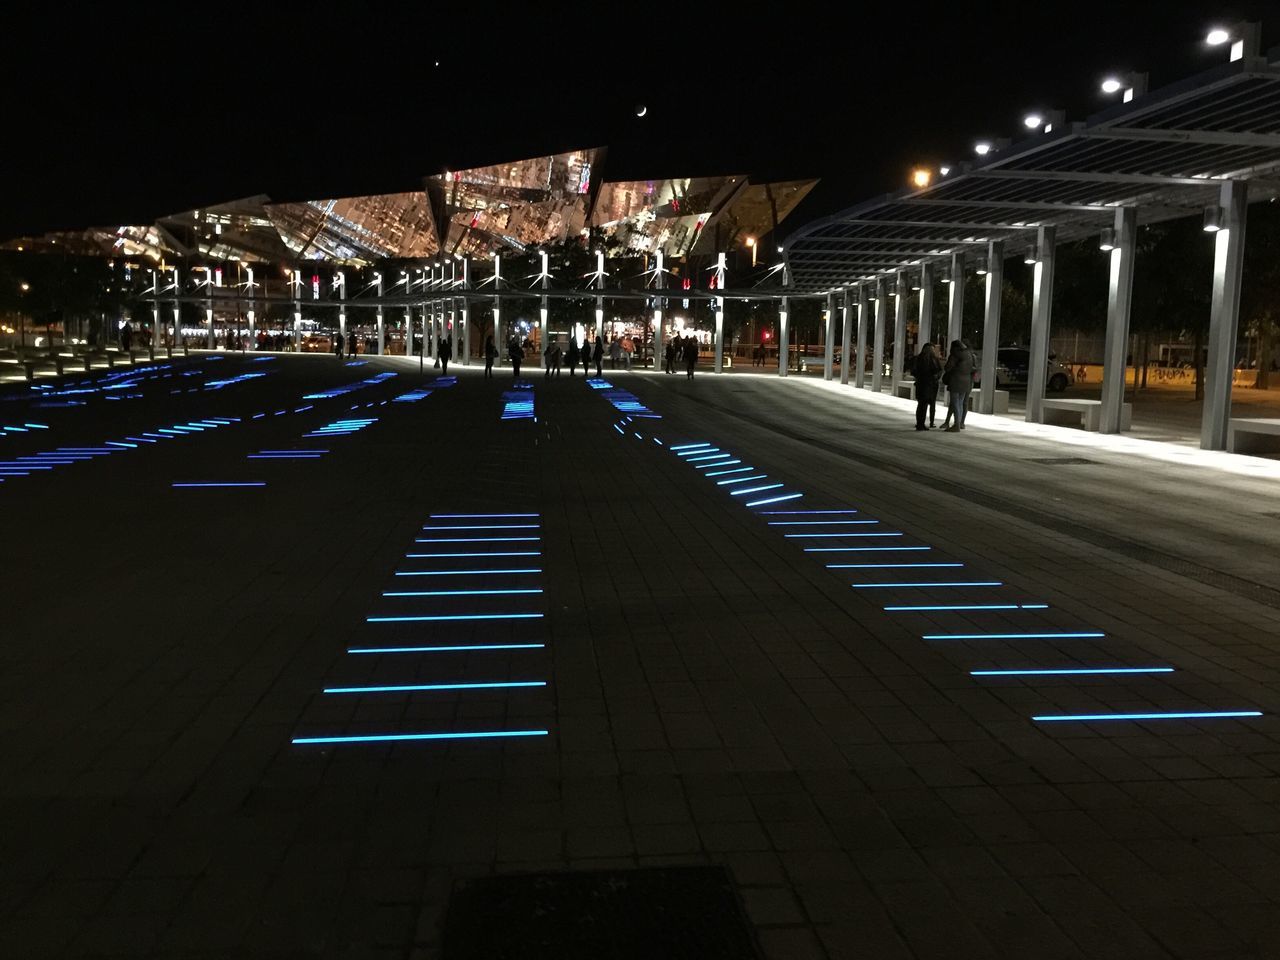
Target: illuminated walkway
x: 287, y: 657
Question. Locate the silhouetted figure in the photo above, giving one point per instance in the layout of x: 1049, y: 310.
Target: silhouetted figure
x: 690, y: 356
x: 445, y: 354
x: 958, y: 376
x: 574, y: 356
x: 669, y: 360
x: 338, y: 344
x: 490, y: 355
x: 598, y: 355
x: 926, y: 369
x: 516, y: 352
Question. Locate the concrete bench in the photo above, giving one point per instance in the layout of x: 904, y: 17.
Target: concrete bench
x: 1248, y: 435
x: 1086, y: 413
x: 1001, y: 398
x: 905, y: 389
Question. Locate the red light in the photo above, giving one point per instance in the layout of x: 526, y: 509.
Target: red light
x: 475, y: 220
x: 767, y: 334
x: 687, y: 283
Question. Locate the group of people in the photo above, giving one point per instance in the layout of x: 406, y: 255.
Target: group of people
x: 681, y: 350
x: 956, y: 374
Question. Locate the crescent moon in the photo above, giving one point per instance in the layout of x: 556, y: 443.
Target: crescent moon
x: 642, y: 111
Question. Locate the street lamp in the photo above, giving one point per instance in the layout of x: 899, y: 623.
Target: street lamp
x: 920, y: 177
x: 1245, y: 39
x: 1133, y: 85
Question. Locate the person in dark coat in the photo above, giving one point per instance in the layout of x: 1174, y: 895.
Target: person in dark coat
x: 598, y: 355
x: 690, y: 356
x: 670, y: 366
x: 446, y: 354
x: 490, y: 355
x: 574, y: 355
x: 958, y: 376
x: 516, y: 352
x: 926, y: 369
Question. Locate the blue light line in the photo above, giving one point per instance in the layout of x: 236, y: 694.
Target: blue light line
x: 687, y: 446
x: 636, y: 435
x: 478, y: 540
x: 463, y: 616
x: 710, y: 456
x: 1013, y: 636
x: 302, y: 450
x: 450, y: 649
x: 37, y: 426
x: 891, y: 566
x: 457, y: 593
x: 718, y: 463
x: 788, y: 496
x: 828, y: 536
x: 140, y: 439
x: 796, y: 513
x: 1071, y: 672
x: 817, y: 523
x: 865, y: 549
x: 945, y: 583
x: 618, y: 428
x: 657, y: 441
x: 455, y: 573
x: 729, y: 483
x: 1196, y: 715
x: 967, y: 606
x: 745, y: 490
x: 686, y: 454
x: 850, y: 535
x: 489, y: 526
x: 725, y: 473
x: 419, y: 687
x: 478, y: 516
x: 394, y: 737
x: 254, y: 483
x: 501, y: 553
x: 118, y: 443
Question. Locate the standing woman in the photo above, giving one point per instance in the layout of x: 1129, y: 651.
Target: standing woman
x: 598, y: 355
x: 516, y: 350
x: 574, y: 354
x: 445, y: 354
x: 958, y: 376
x: 926, y: 369
x: 490, y: 354
x: 690, y: 356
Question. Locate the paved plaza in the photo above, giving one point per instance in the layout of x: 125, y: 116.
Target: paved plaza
x: 291, y: 648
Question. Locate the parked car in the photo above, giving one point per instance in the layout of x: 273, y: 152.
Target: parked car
x: 1013, y: 364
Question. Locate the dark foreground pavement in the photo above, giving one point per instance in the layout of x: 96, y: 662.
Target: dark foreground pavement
x: 712, y: 694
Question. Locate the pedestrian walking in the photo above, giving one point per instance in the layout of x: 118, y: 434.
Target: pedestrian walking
x: 445, y: 354
x: 598, y: 355
x: 926, y: 369
x: 690, y: 356
x: 615, y: 353
x: 574, y: 355
x: 338, y: 344
x: 669, y: 365
x: 490, y: 355
x: 958, y: 376
x: 516, y: 352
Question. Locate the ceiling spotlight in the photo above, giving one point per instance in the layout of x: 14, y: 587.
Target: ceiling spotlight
x: 920, y: 177
x: 1217, y: 37
x: 1031, y: 256
x: 1107, y: 240
x: 944, y: 170
x: 980, y: 268
x: 982, y: 148
x: 1212, y: 219
x: 1033, y: 121
x: 1111, y: 85
x: 1132, y: 85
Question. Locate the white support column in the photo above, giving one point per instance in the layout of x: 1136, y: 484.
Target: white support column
x: 658, y: 346
x: 1224, y: 314
x: 498, y: 342
x: 882, y: 320
x: 599, y: 278
x: 253, y: 310
x: 466, y: 312
x: 1119, y: 300
x: 297, y: 311
x: 454, y: 325
x: 719, y: 366
x: 177, y: 311
x: 990, y: 325
x: 378, y: 278
x: 924, y: 321
x: 1041, y: 317
x: 955, y: 302
x: 860, y: 354
x: 784, y: 337
x: 846, y: 338
x: 903, y: 290
x: 543, y: 309
x: 342, y: 308
x: 829, y: 355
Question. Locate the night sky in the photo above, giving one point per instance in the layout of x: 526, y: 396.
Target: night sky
x: 132, y: 112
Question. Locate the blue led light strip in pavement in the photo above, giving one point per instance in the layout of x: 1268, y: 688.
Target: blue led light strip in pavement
x: 462, y: 616
x: 890, y: 566
x: 687, y: 446
x: 725, y: 473
x: 719, y: 463
x: 457, y: 593
x: 816, y: 523
x: 489, y: 526
x: 479, y: 516
x: 1067, y: 672
x: 1191, y: 715
x: 796, y: 513
x: 729, y: 483
x: 787, y: 496
x: 503, y: 553
x: 1013, y: 636
x: 865, y: 549
x: 478, y: 540
x: 745, y: 490
x: 828, y: 536
x: 245, y: 483
x: 457, y: 573
x: 945, y: 583
x: 710, y: 456
x: 461, y: 648
x: 418, y: 687
x: 394, y: 737
x: 848, y: 535
x: 973, y: 606
x: 693, y: 453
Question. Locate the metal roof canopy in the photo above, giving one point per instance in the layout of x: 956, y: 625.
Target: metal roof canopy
x: 1166, y: 153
